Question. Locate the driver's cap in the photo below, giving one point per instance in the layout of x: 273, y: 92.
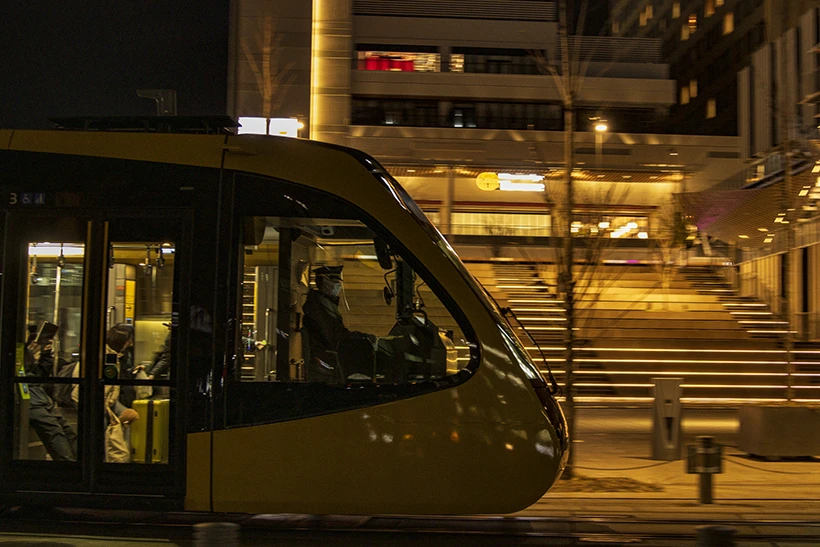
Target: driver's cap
x: 332, y: 272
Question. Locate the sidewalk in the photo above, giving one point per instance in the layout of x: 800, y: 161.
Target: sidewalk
x: 615, y: 475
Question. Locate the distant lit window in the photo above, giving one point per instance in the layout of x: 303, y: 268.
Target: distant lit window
x: 718, y: 3
x: 507, y: 224
x: 709, y: 8
x: 399, y: 61
x: 728, y: 23
x: 693, y: 88
x: 642, y: 19
x: 693, y: 23
x: 684, y: 32
x: 684, y: 95
x: 711, y: 108
x: 675, y: 10
x: 649, y: 11
x: 456, y: 62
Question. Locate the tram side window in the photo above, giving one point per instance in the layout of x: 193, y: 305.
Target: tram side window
x: 325, y: 301
x: 46, y: 419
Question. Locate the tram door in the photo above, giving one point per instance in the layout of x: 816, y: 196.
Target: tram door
x: 89, y: 355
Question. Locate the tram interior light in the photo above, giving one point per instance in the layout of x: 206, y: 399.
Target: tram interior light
x: 54, y: 250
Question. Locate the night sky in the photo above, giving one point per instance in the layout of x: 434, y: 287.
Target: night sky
x: 64, y: 58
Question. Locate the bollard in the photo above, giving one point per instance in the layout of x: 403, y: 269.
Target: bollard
x: 213, y: 534
x: 705, y: 459
x: 666, y: 422
x: 715, y: 536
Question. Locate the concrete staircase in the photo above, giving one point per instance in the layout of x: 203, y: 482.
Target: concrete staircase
x: 631, y: 328
x: 751, y: 313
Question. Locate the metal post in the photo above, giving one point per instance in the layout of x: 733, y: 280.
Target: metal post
x: 569, y: 253
x: 446, y: 211
x: 705, y: 487
x: 705, y: 449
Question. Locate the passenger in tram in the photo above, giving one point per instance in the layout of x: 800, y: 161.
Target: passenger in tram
x: 160, y: 368
x: 324, y: 327
x: 56, y: 434
x: 120, y: 341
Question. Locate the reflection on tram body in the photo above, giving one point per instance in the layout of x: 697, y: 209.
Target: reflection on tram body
x: 381, y: 324
x: 139, y: 296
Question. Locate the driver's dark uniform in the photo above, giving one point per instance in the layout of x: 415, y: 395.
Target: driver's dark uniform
x: 324, y: 330
x: 324, y: 327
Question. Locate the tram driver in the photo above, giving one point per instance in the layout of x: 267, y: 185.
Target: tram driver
x: 324, y: 331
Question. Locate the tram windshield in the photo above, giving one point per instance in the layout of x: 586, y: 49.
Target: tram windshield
x: 514, y: 342
x: 360, y: 313
x: 324, y: 297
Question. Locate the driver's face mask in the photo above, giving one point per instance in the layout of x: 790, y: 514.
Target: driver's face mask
x: 331, y: 287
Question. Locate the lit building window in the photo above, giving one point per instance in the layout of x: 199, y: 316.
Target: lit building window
x: 684, y: 32
x: 684, y: 95
x: 711, y: 108
x: 642, y: 19
x: 709, y: 8
x: 675, y: 10
x: 649, y: 11
x: 399, y: 61
x: 728, y: 23
x: 718, y: 3
x: 693, y: 23
x: 456, y: 62
x: 693, y: 88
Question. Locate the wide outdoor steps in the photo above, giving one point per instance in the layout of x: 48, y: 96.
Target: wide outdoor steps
x: 630, y: 328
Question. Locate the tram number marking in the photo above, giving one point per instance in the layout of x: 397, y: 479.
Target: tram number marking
x: 27, y: 198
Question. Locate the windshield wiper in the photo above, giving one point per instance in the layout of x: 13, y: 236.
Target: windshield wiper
x: 555, y: 389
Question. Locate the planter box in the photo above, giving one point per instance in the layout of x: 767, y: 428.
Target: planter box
x: 787, y: 430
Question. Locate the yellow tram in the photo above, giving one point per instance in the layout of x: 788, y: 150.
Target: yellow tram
x: 213, y: 322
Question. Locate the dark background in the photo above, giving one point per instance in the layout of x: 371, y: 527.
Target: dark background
x: 88, y: 58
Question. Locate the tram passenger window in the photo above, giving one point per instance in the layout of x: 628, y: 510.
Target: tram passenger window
x: 50, y: 316
x: 137, y: 348
x: 325, y: 301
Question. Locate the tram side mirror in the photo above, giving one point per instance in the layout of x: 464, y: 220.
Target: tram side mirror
x: 383, y: 253
x: 388, y: 295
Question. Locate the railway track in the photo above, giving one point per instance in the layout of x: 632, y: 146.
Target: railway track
x: 32, y: 527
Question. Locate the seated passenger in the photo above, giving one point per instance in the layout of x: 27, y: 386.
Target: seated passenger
x: 324, y: 328
x: 56, y: 434
x: 119, y: 340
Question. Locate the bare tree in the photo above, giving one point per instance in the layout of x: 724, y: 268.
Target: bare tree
x: 667, y: 244
x: 263, y: 53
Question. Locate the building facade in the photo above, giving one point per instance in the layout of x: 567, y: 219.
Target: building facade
x: 445, y: 95
x: 705, y: 43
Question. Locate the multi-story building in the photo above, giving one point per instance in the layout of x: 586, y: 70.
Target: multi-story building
x: 439, y: 92
x: 705, y: 43
x: 443, y: 94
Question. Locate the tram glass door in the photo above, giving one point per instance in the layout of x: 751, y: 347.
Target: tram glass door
x: 88, y: 346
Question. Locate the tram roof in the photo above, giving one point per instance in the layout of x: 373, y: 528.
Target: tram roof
x: 346, y: 172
